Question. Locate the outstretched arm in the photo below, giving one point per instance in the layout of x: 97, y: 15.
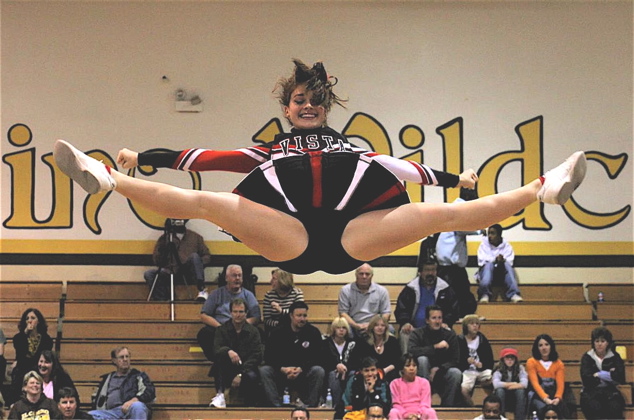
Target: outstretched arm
x: 419, y: 173
x: 240, y: 160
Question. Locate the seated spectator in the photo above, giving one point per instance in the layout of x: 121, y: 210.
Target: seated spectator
x: 425, y: 290
x: 411, y: 394
x: 238, y: 351
x: 495, y: 259
x: 300, y: 413
x: 510, y: 381
x: 53, y: 375
x: 182, y: 252
x: 124, y: 393
x: 215, y: 310
x: 340, y: 358
x: 68, y: 404
x: 365, y: 388
x: 491, y: 409
x: 33, y: 404
x: 545, y: 375
x: 375, y: 412
x: 438, y: 354
x: 549, y: 412
x: 602, y: 370
x: 361, y: 300
x: 381, y: 346
x: 476, y: 357
x: 29, y: 343
x: 292, y: 359
x: 277, y: 300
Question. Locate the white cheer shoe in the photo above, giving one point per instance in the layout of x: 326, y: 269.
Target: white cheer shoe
x: 89, y: 173
x: 562, y: 181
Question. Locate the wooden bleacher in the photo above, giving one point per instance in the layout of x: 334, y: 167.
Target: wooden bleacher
x: 93, y: 318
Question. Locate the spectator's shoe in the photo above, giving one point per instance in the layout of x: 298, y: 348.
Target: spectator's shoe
x: 218, y: 401
x: 559, y: 183
x: 202, y: 296
x: 516, y: 298
x: 484, y: 299
x: 93, y: 176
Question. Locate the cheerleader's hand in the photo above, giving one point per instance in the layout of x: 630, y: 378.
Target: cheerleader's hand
x: 128, y: 158
x: 467, y: 179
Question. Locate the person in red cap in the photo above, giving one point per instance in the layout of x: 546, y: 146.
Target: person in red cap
x: 510, y: 381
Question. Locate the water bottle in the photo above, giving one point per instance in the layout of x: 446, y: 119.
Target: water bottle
x: 600, y: 297
x: 286, y: 399
x: 534, y: 416
x: 329, y: 399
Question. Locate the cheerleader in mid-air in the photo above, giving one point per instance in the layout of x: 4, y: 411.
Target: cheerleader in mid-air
x: 312, y: 200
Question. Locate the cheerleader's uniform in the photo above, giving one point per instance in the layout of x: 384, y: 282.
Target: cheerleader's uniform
x: 319, y: 178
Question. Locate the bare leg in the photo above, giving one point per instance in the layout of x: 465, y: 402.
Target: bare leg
x: 269, y: 232
x: 380, y: 232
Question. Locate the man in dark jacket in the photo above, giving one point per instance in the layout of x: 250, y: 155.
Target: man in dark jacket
x: 438, y: 354
x: 426, y: 289
x: 238, y: 353
x: 125, y: 393
x: 292, y: 359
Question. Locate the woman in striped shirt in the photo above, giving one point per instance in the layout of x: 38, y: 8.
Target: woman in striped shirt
x: 277, y: 300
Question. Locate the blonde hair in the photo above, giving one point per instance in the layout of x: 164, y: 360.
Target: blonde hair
x: 375, y: 320
x: 339, y: 321
x: 469, y: 319
x: 32, y: 374
x: 284, y: 279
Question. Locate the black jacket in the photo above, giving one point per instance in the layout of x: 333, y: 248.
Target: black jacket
x: 137, y: 384
x: 24, y: 409
x: 350, y: 356
x: 421, y: 343
x: 409, y: 298
x: 611, y: 363
x: 286, y: 347
x: 485, y: 353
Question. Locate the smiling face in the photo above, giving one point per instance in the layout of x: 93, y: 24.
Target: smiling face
x: 301, y: 113
x: 44, y: 367
x: 33, y: 387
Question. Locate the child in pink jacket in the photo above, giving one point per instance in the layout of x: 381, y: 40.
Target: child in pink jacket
x: 411, y: 394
